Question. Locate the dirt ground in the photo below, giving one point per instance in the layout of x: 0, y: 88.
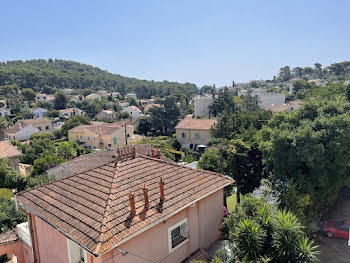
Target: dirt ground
x: 334, y: 250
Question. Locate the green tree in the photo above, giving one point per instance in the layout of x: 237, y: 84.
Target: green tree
x: 9, y: 178
x: 251, y: 102
x: 61, y: 100
x: 223, y: 102
x: 306, y: 153
x: 164, y: 119
x: 28, y: 94
x: 285, y: 73
x: 74, y: 122
x: 9, y: 217
x: 239, y: 161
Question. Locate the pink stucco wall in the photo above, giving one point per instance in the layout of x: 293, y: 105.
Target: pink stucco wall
x: 203, y: 221
x: 52, y: 245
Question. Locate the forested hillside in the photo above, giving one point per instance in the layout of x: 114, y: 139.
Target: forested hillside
x: 336, y: 71
x: 50, y: 75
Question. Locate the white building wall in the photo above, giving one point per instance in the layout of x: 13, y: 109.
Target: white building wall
x: 201, y: 105
x: 266, y: 98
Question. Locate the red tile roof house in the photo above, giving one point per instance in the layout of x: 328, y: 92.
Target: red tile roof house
x: 133, y: 209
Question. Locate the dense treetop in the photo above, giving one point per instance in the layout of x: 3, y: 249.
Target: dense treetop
x: 49, y: 75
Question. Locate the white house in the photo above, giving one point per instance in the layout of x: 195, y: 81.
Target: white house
x: 134, y: 111
x: 19, y: 132
x: 69, y: 113
x: 40, y: 112
x: 265, y: 98
x: 201, y: 105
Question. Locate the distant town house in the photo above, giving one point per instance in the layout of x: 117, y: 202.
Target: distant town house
x: 287, y: 107
x: 69, y: 113
x: 44, y: 97
x: 201, y: 105
x: 134, y: 208
x: 133, y: 111
x: 101, y: 135
x: 93, y: 96
x: 108, y: 115
x: 11, y: 153
x: 23, y: 129
x: 193, y: 132
x: 40, y: 112
x: 265, y: 98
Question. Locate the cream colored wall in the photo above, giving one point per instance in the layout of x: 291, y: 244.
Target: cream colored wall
x: 84, y: 137
x: 43, y: 126
x: 190, y: 136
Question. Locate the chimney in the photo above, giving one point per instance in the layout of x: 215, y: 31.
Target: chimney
x: 132, y: 203
x: 161, y: 187
x: 158, y: 154
x: 145, y: 195
x: 152, y: 151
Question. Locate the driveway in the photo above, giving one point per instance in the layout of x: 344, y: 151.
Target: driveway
x: 334, y: 250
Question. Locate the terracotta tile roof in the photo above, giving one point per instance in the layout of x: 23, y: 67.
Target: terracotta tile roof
x: 7, y: 150
x: 12, y: 130
x: 35, y: 121
x: 134, y: 108
x: 93, y: 207
x: 92, y: 160
x: 196, y: 124
x: 101, y: 128
x: 8, y: 237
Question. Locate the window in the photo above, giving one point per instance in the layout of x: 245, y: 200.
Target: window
x: 197, y: 136
x: 39, y: 128
x: 114, y: 140
x: 177, y: 235
x: 81, y: 137
x: 89, y: 138
x: 183, y: 135
x: 47, y: 127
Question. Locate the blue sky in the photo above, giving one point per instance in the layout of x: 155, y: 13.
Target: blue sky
x: 202, y: 42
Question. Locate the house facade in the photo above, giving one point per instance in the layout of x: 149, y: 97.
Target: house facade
x: 265, y: 98
x: 108, y: 115
x: 101, y: 135
x: 44, y: 97
x: 201, y: 105
x: 191, y: 132
x: 69, y: 113
x: 40, y: 112
x: 133, y: 111
x: 10, y: 152
x: 42, y: 124
x: 158, y: 215
x: 20, y: 132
